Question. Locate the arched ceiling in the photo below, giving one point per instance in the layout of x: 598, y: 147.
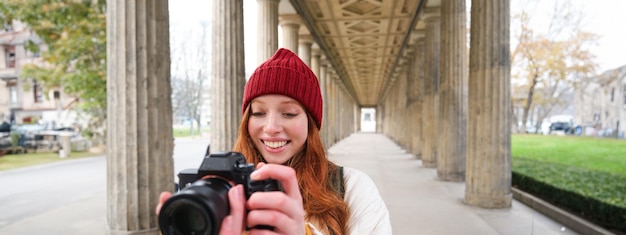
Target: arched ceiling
x: 364, y: 40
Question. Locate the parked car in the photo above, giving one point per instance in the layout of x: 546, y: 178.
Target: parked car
x: 5, y: 127
x: 565, y: 127
x: 5, y: 141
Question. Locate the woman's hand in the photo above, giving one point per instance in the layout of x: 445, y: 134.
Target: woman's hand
x: 162, y: 198
x: 232, y: 223
x: 282, y: 210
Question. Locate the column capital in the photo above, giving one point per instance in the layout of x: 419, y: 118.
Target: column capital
x: 431, y: 13
x: 305, y: 38
x: 408, y: 52
x: 270, y: 1
x: 290, y: 19
x: 416, y: 35
x: 315, y: 51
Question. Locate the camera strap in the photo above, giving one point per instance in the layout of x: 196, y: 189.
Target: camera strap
x: 338, y: 182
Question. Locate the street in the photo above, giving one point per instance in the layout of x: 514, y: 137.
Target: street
x: 73, y: 192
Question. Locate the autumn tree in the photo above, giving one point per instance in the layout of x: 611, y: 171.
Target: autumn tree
x: 74, y: 35
x: 547, y: 65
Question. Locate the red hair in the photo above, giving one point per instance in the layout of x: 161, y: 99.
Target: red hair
x: 322, y: 205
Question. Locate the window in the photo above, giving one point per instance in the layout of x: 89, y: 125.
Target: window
x: 624, y: 93
x: 7, y: 27
x: 37, y: 92
x: 10, y: 56
x: 13, y: 91
x: 612, y: 93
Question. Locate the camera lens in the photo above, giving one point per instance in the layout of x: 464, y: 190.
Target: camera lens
x: 189, y: 219
x: 197, y: 209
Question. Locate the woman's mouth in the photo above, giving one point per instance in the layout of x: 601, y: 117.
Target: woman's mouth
x: 275, y: 144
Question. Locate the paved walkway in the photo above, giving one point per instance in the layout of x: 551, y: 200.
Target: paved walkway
x: 417, y: 201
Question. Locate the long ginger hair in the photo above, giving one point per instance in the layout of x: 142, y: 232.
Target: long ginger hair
x: 323, y: 207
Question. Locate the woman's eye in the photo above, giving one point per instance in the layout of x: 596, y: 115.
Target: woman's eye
x: 290, y: 114
x: 257, y: 114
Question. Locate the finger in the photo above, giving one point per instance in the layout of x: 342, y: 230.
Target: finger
x: 162, y: 198
x: 233, y: 223
x: 276, y: 201
x: 227, y: 226
x: 263, y: 232
x: 286, y: 175
x: 237, y: 203
x: 280, y: 222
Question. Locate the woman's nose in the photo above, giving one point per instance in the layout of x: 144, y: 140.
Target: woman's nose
x: 273, y: 123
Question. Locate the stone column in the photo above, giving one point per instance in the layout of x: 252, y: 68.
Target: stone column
x: 332, y: 105
x: 452, y: 92
x: 488, y: 178
x: 139, y: 114
x: 431, y: 88
x: 267, y: 29
x: 290, y: 26
x: 322, y: 78
x: 304, y: 48
x: 411, y: 94
x: 315, y: 62
x: 330, y: 101
x: 380, y: 118
x: 357, y: 118
x: 400, y: 104
x: 227, y: 73
x: 418, y: 93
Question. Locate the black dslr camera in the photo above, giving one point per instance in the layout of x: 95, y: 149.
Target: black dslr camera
x: 201, y: 202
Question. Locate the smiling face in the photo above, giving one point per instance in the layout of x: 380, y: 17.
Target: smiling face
x: 278, y: 126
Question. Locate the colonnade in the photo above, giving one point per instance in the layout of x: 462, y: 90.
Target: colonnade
x: 453, y: 120
x: 450, y: 114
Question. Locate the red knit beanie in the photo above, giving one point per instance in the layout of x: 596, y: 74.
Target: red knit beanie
x: 286, y: 74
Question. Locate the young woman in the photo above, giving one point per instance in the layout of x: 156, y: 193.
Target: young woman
x: 282, y: 116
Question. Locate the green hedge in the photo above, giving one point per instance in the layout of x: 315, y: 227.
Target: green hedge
x: 595, y: 195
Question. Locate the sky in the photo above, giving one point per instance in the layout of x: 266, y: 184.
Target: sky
x: 602, y: 17
x: 606, y: 19
x: 188, y: 15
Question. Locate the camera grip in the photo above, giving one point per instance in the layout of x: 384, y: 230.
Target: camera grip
x: 268, y: 185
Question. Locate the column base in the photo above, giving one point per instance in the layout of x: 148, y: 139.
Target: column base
x: 451, y: 176
x: 153, y: 231
x: 488, y: 201
x: 429, y: 164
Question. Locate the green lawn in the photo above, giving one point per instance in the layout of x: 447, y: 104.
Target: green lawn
x: 608, y: 155
x: 584, y: 175
x: 13, y: 161
x: 186, y: 132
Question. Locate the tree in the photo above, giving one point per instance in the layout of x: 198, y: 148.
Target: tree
x: 549, y: 64
x: 74, y: 33
x: 190, y: 74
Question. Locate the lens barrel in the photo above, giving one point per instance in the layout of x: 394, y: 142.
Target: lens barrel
x: 197, y: 209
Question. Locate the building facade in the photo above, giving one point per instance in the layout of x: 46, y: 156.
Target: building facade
x: 22, y: 99
x: 601, y: 104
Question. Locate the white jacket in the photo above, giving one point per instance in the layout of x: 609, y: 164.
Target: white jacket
x: 368, y: 212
